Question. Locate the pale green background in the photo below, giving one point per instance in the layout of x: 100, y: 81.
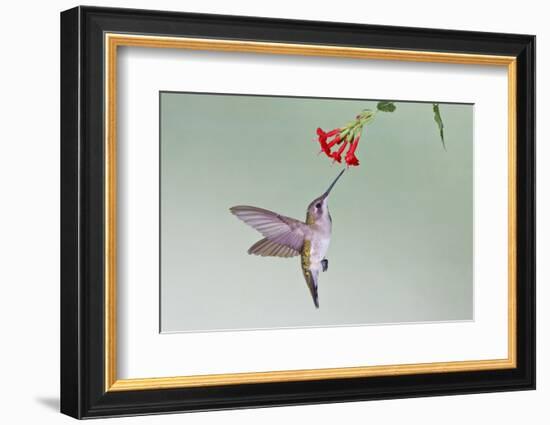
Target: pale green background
x: 402, y: 244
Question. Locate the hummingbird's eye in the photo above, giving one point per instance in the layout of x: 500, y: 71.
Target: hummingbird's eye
x: 318, y: 205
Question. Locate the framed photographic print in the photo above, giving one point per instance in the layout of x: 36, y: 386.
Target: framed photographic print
x: 261, y: 212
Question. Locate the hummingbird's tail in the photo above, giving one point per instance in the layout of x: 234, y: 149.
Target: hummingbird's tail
x: 311, y: 280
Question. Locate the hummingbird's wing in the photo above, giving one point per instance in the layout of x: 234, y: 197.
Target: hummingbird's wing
x: 267, y: 248
x: 279, y: 231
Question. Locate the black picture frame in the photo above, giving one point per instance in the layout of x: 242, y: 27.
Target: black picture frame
x: 83, y: 392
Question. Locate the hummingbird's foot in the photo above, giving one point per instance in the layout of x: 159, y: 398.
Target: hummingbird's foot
x: 324, y: 264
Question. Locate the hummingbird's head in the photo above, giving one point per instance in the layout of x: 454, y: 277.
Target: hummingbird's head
x: 319, y: 206
x: 317, y: 209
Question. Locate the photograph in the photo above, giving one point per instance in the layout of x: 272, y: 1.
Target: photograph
x: 353, y: 212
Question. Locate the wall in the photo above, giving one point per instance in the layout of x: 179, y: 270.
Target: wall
x: 29, y: 229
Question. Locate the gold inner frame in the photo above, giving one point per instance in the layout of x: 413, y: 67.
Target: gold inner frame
x: 113, y: 41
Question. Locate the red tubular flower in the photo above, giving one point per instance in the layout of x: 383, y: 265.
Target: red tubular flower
x: 337, y: 156
x: 323, y: 138
x: 345, y: 137
x: 351, y: 159
x: 321, y: 134
x: 335, y: 141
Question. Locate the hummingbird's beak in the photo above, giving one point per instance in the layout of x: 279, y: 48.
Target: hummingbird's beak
x: 324, y: 195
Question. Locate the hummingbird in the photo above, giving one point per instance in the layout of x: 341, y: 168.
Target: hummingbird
x: 288, y: 237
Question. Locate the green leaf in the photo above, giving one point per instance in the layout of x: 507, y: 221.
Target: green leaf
x: 386, y: 106
x: 439, y: 122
